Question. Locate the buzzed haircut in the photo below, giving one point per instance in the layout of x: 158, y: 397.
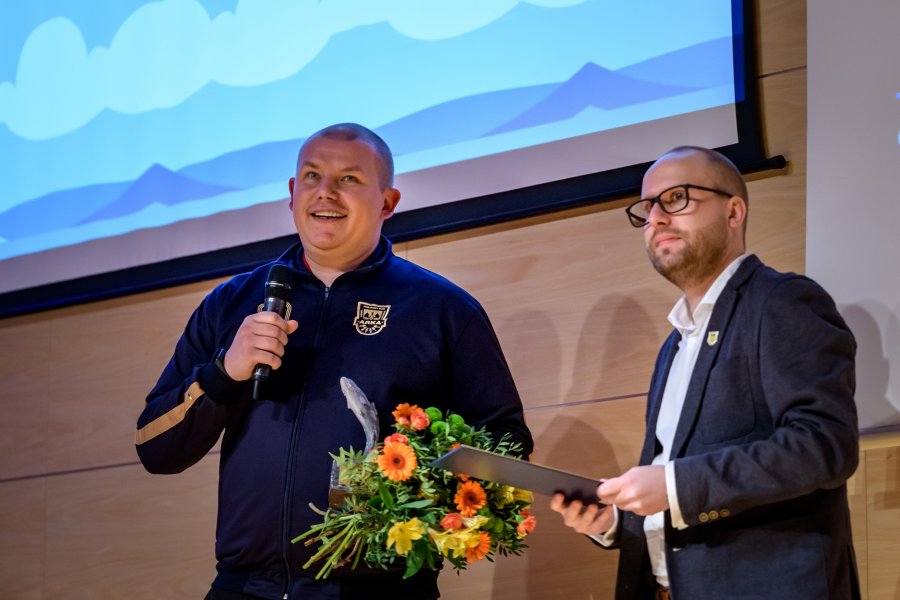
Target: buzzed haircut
x: 727, y: 176
x: 349, y: 132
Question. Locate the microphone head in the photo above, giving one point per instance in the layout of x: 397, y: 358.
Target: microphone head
x: 278, y: 282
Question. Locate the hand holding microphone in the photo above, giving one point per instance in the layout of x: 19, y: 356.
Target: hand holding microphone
x: 259, y: 343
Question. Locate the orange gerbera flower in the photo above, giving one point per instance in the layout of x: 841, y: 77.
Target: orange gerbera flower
x: 401, y: 415
x: 478, y: 551
x: 470, y: 498
x: 397, y: 461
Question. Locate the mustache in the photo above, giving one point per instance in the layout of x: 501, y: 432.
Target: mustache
x: 666, y: 231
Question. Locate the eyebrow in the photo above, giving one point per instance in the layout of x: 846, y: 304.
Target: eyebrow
x: 350, y: 169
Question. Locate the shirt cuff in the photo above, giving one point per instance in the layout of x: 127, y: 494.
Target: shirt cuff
x: 607, y: 539
x: 672, y: 493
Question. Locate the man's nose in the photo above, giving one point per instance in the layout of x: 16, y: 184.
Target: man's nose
x: 657, y: 215
x: 326, y: 187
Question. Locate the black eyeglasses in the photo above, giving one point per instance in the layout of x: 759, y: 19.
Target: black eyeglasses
x: 673, y: 200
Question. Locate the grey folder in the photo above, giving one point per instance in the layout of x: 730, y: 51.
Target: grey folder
x: 536, y: 478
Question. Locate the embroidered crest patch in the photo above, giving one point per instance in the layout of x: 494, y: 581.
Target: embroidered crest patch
x: 370, y: 318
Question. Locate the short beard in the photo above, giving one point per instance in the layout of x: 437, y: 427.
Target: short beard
x: 702, y: 256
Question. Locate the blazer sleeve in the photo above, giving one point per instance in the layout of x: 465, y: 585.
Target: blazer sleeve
x: 795, y: 379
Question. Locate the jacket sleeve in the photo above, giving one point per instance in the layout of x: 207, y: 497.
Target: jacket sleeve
x: 796, y: 387
x: 190, y: 405
x: 484, y: 392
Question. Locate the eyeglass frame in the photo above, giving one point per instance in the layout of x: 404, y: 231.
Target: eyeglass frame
x: 657, y: 200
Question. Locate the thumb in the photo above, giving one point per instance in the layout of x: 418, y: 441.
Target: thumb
x: 292, y: 326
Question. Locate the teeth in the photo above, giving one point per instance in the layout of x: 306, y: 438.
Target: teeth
x: 328, y: 214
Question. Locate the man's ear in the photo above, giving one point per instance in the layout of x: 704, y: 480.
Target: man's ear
x: 391, y: 198
x: 291, y: 192
x: 737, y: 212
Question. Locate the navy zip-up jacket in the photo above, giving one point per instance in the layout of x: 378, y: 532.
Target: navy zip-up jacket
x: 402, y: 333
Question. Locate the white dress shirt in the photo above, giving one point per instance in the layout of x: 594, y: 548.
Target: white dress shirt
x: 692, y: 327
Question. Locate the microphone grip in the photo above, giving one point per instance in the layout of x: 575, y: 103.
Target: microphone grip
x: 261, y: 372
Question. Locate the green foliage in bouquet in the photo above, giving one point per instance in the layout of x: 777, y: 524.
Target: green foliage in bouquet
x: 397, y: 508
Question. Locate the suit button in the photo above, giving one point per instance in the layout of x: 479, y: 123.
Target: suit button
x: 703, y: 517
x: 713, y: 515
x: 724, y: 513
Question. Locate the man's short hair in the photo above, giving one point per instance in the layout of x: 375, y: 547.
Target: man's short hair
x: 349, y: 132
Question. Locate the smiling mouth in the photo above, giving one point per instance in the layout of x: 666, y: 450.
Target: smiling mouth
x: 328, y: 215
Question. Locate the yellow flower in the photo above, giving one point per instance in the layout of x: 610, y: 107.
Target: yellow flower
x: 504, y: 496
x: 475, y: 522
x: 451, y: 541
x: 523, y: 496
x: 404, y: 533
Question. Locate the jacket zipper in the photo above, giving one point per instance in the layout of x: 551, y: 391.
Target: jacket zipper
x: 286, y: 495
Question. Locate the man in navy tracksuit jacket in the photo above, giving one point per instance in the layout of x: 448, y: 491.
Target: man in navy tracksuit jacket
x: 402, y: 333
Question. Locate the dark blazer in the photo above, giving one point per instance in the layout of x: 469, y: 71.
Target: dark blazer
x: 765, y: 443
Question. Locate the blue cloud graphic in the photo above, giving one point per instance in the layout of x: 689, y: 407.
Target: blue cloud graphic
x: 166, y: 51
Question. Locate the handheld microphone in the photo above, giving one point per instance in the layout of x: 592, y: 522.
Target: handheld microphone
x: 278, y: 288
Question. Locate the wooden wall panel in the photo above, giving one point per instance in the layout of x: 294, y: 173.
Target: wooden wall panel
x: 856, y: 494
x: 24, y: 371
x: 23, y: 528
x: 883, y: 523
x: 122, y: 533
x: 105, y: 359
x: 570, y: 335
x: 781, y: 31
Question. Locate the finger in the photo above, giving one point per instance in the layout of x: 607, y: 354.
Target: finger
x: 609, y: 487
x: 558, y: 503
x: 272, y: 319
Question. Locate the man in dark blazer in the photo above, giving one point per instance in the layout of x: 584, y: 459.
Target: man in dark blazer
x: 751, y: 424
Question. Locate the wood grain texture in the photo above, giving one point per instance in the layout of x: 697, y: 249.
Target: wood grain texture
x: 122, y: 533
x: 883, y: 523
x: 24, y: 396
x: 781, y: 31
x: 23, y: 529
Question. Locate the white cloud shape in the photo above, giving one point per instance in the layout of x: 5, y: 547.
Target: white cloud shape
x: 166, y: 51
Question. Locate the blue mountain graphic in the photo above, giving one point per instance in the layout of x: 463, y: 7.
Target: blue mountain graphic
x: 156, y: 185
x: 248, y: 167
x: 447, y: 123
x: 57, y: 210
x: 702, y: 66
x: 454, y: 121
x: 592, y: 85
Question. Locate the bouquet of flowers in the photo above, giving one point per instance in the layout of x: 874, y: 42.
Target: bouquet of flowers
x: 397, y: 508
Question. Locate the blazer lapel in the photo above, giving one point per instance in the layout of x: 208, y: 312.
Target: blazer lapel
x: 654, y: 399
x: 715, y: 332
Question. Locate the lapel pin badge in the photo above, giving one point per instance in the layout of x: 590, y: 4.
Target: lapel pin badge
x: 712, y: 337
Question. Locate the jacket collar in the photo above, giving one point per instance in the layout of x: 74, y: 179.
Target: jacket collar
x: 293, y: 257
x: 718, y: 322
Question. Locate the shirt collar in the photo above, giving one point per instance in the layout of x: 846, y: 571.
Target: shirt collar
x: 680, y: 316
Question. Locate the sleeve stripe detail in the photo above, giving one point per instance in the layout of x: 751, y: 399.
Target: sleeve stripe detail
x: 165, y: 422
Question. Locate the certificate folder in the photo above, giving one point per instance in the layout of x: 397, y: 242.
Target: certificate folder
x: 536, y: 478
